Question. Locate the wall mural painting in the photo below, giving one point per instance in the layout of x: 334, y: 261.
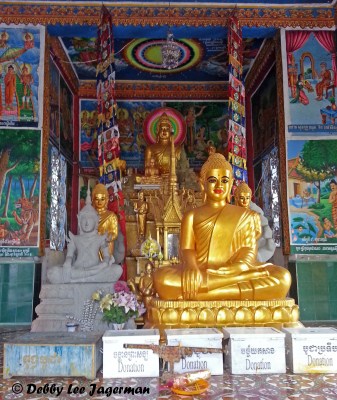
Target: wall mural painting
x: 66, y: 119
x: 312, y: 195
x: 206, y: 125
x: 88, y: 134
x: 19, y: 192
x: 312, y: 79
x: 20, y: 59
x: 264, y: 117
x: 54, y: 99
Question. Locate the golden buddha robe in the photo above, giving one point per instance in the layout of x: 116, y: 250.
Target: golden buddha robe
x: 216, y: 248
x: 108, y: 224
x: 161, y: 152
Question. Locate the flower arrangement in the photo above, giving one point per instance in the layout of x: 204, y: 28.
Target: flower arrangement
x: 150, y: 248
x: 119, y: 306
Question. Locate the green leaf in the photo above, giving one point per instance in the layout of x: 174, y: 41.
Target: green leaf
x: 311, y: 227
x: 298, y: 219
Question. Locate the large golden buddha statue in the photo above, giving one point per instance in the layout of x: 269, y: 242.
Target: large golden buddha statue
x: 218, y: 248
x: 160, y: 152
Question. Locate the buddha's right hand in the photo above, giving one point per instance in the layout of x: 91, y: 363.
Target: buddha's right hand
x: 191, y: 282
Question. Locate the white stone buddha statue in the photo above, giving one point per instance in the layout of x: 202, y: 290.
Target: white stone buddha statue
x: 83, y: 263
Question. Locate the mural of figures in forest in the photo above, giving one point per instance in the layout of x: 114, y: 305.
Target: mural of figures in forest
x: 20, y: 58
x: 66, y: 119
x: 310, y: 96
x: 88, y: 134
x: 19, y: 192
x: 54, y: 102
x: 312, y: 195
x: 264, y: 117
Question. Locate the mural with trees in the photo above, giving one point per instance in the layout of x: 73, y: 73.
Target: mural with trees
x: 19, y: 188
x: 312, y: 192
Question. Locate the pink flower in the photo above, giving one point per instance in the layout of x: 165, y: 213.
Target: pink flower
x: 121, y: 286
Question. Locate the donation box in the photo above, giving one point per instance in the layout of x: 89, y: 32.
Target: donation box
x: 121, y: 362
x: 253, y: 350
x: 200, y: 338
x: 311, y: 350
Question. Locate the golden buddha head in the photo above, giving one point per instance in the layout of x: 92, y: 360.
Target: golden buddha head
x: 216, y: 178
x: 164, y: 128
x: 148, y: 268
x: 211, y: 149
x: 243, y: 195
x: 100, y: 196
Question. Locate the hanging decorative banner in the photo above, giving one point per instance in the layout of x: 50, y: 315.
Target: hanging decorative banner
x: 110, y: 165
x: 236, y: 106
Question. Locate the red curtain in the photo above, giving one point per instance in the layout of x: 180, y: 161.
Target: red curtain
x: 294, y: 41
x: 327, y: 40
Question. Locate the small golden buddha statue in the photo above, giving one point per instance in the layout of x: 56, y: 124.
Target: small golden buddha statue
x: 141, y: 209
x: 160, y: 151
x: 243, y: 195
x: 218, y: 247
x: 151, y: 174
x: 151, y: 171
x: 108, y: 221
x: 266, y: 245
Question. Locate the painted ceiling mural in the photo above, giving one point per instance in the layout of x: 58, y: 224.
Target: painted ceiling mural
x: 140, y: 59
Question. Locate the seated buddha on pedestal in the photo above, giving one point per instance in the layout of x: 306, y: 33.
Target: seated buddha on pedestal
x: 151, y: 174
x: 218, y: 248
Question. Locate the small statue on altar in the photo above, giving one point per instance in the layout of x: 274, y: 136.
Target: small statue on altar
x: 266, y: 245
x: 218, y: 248
x: 141, y: 209
x: 152, y: 175
x: 160, y: 151
x: 82, y: 263
x: 146, y: 287
x: 151, y: 171
x: 188, y: 200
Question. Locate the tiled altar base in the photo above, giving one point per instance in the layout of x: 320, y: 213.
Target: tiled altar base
x: 238, y: 387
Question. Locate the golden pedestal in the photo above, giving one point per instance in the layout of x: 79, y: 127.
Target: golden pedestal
x: 199, y: 314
